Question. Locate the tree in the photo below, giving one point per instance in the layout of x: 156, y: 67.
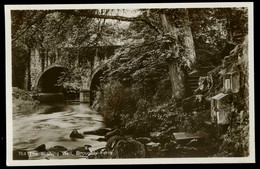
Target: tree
x: 176, y: 24
x: 50, y: 29
x: 171, y: 28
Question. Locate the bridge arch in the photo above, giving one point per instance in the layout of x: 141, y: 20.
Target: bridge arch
x: 95, y: 84
x: 46, y: 81
x: 95, y: 81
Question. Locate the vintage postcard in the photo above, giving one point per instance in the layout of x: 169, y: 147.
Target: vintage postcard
x: 168, y: 83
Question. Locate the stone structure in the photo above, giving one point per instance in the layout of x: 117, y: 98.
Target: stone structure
x: 231, y: 81
x: 221, y: 108
x: 47, y: 65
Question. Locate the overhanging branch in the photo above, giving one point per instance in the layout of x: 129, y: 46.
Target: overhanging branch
x: 90, y: 15
x: 120, y: 18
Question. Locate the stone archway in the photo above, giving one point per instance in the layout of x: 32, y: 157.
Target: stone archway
x: 47, y: 80
x: 46, y: 84
x: 95, y: 84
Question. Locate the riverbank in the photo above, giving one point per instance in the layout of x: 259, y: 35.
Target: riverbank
x: 51, y: 125
x: 120, y: 145
x: 158, y: 144
x: 22, y: 98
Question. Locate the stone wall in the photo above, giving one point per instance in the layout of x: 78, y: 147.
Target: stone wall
x: 35, y: 66
x: 43, y: 59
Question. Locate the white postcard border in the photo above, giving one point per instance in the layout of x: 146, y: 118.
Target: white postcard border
x: 9, y: 124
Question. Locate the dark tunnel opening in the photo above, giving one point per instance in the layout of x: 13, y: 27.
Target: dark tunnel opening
x: 95, y: 84
x: 48, y: 81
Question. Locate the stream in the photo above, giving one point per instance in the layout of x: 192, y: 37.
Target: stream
x: 51, y: 124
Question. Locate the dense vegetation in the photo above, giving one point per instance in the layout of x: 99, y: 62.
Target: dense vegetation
x: 144, y: 84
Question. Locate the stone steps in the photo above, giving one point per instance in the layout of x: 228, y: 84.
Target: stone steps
x: 192, y: 81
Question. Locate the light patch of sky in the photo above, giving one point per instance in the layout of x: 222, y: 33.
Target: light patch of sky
x: 118, y: 24
x: 121, y: 24
x: 123, y: 12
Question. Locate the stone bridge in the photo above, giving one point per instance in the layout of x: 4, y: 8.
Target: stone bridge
x: 46, y: 66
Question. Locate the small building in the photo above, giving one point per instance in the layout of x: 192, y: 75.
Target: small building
x: 220, y: 108
x: 231, y: 82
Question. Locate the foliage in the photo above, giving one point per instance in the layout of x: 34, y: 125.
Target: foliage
x: 142, y: 66
x: 136, y: 90
x: 19, y: 62
x: 116, y: 101
x: 80, y: 30
x: 235, y: 142
x: 50, y: 29
x: 21, y: 94
x: 212, y: 30
x: 22, y: 99
x: 192, y: 122
x: 236, y: 139
x: 70, y: 80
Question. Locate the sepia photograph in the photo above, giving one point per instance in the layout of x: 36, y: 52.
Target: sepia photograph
x: 151, y: 83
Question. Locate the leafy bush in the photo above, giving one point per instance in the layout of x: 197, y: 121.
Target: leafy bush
x: 235, y: 142
x: 147, y: 118
x: 236, y: 139
x: 115, y: 101
x: 163, y: 92
x: 192, y: 122
x: 21, y: 94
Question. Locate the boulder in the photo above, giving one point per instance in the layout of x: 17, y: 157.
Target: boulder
x: 87, y: 146
x: 75, y: 134
x: 129, y: 149
x: 112, y: 141
x: 100, y: 150
x: 41, y: 148
x: 169, y: 149
x: 143, y: 140
x: 57, y: 148
x: 167, y: 135
x: 93, y: 155
x: 170, y: 145
x: 154, y: 149
x: 116, y: 132
x: 20, y: 155
x: 100, y: 132
x: 100, y: 153
x: 187, y: 151
x: 153, y: 145
x: 155, y: 135
x: 193, y: 142
x: 101, y: 139
x: 81, y: 150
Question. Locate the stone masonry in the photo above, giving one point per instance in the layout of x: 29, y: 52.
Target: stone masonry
x: 43, y: 60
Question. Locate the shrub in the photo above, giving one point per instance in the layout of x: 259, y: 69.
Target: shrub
x: 116, y: 101
x: 192, y: 122
x: 21, y: 94
x: 235, y: 142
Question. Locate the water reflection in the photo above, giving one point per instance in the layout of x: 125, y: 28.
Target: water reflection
x: 51, y: 124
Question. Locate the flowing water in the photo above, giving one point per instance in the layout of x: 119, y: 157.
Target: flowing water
x: 52, y: 124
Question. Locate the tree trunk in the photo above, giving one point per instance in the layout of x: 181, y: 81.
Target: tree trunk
x: 187, y: 40
x: 177, y: 80
x: 229, y: 25
x: 183, y: 40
